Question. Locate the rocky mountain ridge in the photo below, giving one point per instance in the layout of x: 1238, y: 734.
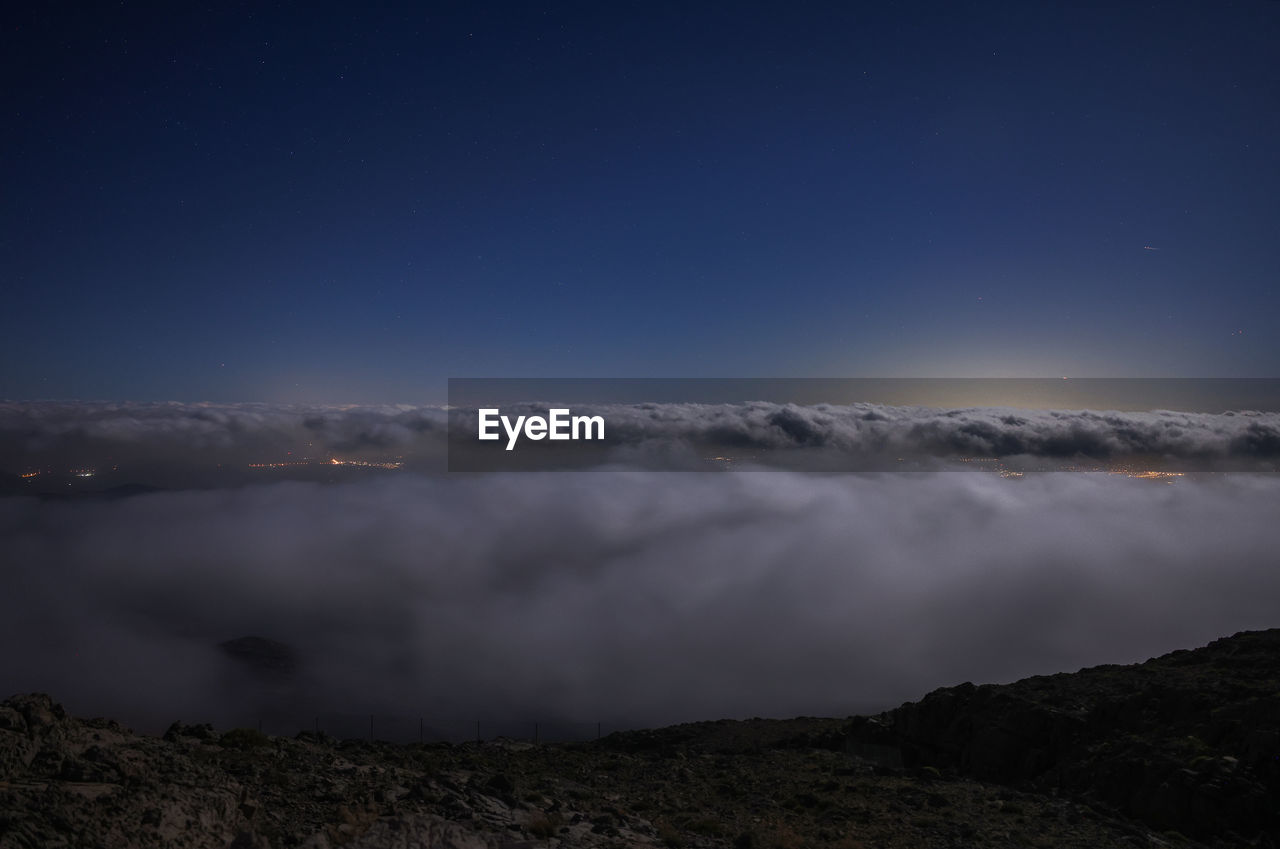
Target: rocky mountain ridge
x: 1187, y: 741
x: 1182, y: 751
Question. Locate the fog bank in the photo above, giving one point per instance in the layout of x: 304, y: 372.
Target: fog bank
x: 628, y: 597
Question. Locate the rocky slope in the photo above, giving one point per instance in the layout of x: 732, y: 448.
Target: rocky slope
x: 1180, y: 751
x: 1188, y: 741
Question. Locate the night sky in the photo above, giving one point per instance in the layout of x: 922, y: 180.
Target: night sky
x: 333, y: 203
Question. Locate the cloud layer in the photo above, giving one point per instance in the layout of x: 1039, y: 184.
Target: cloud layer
x: 173, y: 444
x: 181, y: 444
x: 626, y: 597
x: 876, y: 437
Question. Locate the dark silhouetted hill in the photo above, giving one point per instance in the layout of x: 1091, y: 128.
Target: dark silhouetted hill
x: 1180, y: 751
x: 1188, y: 741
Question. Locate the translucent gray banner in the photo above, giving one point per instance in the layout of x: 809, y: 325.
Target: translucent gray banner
x: 1142, y: 427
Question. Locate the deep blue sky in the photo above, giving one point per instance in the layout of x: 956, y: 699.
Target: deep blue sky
x: 327, y: 202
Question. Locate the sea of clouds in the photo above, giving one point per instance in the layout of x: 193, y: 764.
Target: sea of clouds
x: 627, y: 596
x: 193, y: 437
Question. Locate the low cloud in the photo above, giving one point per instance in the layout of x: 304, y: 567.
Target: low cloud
x: 625, y: 596
x: 873, y: 433
x: 202, y: 444
x: 631, y: 598
x: 177, y: 444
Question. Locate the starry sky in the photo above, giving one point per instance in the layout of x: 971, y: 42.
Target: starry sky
x: 326, y: 202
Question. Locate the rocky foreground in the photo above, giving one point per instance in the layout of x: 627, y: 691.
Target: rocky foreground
x: 1181, y: 751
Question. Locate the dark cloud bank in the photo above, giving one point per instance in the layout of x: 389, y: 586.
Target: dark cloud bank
x: 178, y: 444
x: 629, y: 597
x: 876, y: 437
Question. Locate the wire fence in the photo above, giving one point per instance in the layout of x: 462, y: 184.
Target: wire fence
x: 405, y: 728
